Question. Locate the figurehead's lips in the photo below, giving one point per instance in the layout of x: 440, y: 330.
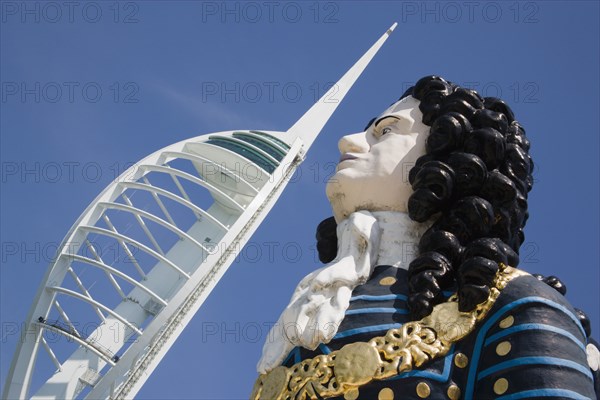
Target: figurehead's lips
x: 347, y: 156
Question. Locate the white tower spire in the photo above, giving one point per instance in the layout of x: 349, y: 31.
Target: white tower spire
x: 173, y: 223
x: 312, y: 122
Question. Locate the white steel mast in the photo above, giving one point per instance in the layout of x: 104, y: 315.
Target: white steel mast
x: 204, y: 198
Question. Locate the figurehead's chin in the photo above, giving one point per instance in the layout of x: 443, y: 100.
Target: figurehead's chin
x: 344, y: 195
x: 347, y: 195
x: 337, y: 199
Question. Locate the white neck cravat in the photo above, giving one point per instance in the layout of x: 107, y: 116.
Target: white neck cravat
x: 320, y: 300
x: 400, y: 237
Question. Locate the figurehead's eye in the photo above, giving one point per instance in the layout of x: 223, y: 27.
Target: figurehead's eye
x: 385, y: 125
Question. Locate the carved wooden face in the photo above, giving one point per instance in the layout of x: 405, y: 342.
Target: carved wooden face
x: 373, y: 170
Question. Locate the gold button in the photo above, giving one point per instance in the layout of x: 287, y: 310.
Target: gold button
x: 387, y: 281
x: 386, y: 394
x: 453, y: 392
x: 423, y: 390
x: 507, y: 322
x: 274, y: 383
x: 503, y: 348
x: 351, y: 394
x: 461, y: 360
x: 501, y: 386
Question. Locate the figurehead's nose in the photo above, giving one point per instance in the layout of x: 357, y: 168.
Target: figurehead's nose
x: 355, y: 143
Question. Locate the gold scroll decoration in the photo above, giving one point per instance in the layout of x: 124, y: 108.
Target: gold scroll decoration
x: 400, y: 350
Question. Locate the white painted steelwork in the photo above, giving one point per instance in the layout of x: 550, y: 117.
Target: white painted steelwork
x: 173, y: 223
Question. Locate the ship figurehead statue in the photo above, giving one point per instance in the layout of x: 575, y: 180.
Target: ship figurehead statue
x: 420, y: 295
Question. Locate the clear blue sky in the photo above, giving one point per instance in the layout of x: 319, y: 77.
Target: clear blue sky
x: 89, y: 89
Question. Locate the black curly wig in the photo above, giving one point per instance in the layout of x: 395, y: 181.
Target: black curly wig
x: 473, y: 180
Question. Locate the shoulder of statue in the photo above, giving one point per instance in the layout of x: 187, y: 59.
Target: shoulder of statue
x: 531, y: 302
x: 527, y: 286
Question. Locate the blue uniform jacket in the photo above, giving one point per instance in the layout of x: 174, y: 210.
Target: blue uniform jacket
x: 530, y: 345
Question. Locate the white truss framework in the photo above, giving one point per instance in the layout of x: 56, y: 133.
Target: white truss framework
x: 142, y: 258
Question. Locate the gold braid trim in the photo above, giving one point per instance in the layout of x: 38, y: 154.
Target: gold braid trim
x: 400, y: 350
